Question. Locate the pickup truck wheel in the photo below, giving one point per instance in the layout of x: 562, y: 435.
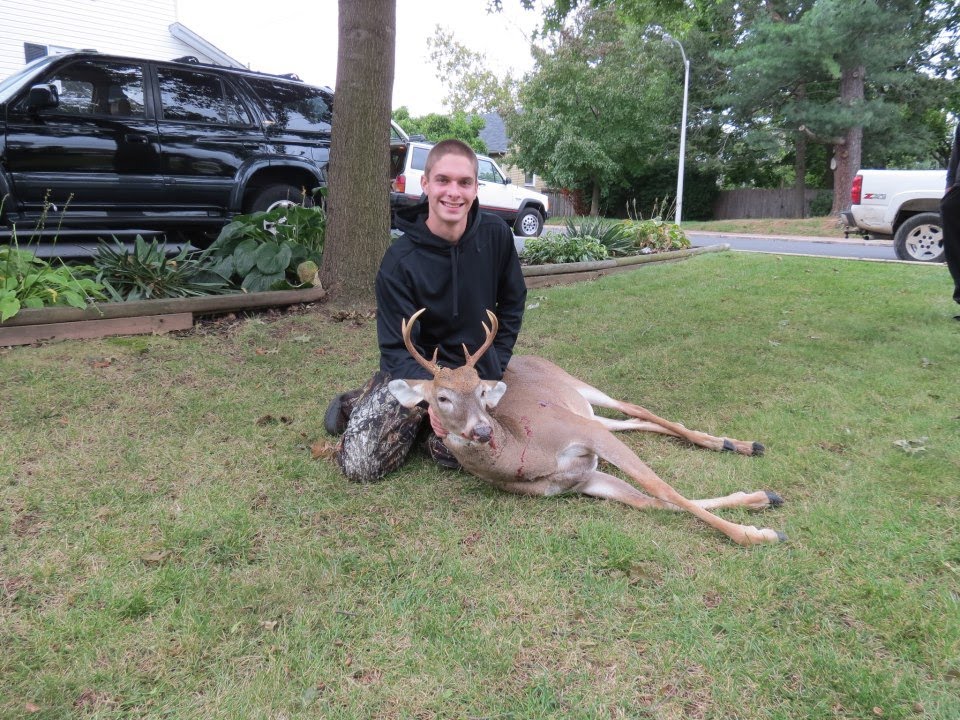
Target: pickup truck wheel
x: 277, y: 195
x: 529, y: 223
x: 920, y: 238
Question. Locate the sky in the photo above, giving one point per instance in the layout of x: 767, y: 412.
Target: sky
x: 302, y: 38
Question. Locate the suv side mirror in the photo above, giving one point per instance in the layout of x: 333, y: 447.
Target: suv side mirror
x: 42, y: 97
x: 507, y: 181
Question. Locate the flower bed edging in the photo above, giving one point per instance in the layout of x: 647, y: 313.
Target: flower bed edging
x: 32, y: 325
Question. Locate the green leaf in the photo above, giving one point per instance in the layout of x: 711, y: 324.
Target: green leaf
x: 273, y: 258
x: 245, y: 256
x: 257, y: 281
x: 9, y: 306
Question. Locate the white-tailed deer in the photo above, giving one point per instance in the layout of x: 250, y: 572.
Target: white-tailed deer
x: 535, y: 433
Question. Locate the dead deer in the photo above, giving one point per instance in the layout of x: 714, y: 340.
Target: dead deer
x: 535, y: 433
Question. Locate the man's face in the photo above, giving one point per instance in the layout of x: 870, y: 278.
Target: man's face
x: 450, y: 189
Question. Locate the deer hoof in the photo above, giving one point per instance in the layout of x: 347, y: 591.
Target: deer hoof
x: 775, y: 500
x: 758, y: 449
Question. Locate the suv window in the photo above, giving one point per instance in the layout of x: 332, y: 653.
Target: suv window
x: 199, y: 97
x: 487, y: 172
x: 294, y: 107
x: 419, y: 159
x: 99, y: 88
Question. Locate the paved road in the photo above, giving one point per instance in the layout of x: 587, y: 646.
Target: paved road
x: 826, y: 247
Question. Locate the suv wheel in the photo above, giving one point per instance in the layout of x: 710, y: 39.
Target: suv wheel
x: 279, y: 195
x: 529, y: 223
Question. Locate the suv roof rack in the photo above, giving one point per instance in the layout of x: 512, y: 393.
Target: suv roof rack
x: 194, y: 60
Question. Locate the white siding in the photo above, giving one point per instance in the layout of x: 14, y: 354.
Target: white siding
x: 126, y: 27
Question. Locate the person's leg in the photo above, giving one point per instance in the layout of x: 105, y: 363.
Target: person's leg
x: 950, y: 217
x: 379, y: 433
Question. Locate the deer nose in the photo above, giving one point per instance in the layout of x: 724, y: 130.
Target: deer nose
x: 482, y: 433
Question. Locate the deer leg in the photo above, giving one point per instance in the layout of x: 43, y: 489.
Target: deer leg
x: 653, y: 423
x: 613, y: 451
x: 602, y: 485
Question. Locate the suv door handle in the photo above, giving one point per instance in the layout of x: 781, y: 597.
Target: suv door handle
x: 140, y: 139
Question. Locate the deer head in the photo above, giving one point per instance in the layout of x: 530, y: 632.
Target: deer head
x: 458, y: 397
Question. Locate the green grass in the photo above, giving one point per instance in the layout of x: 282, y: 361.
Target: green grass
x: 171, y: 549
x: 828, y: 226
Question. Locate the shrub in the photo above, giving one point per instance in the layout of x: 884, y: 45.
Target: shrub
x: 27, y: 281
x: 612, y: 235
x: 560, y: 248
x: 653, y: 234
x: 263, y: 251
x: 149, y: 273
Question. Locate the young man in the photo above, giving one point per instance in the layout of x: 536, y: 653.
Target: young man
x: 457, y: 263
x: 950, y: 217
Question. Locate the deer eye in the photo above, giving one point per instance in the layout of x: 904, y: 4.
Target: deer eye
x: 443, y: 399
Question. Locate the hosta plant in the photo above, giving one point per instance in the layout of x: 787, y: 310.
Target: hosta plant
x: 561, y: 248
x: 27, y: 281
x: 263, y: 251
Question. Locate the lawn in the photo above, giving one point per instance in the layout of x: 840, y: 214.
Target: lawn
x: 172, y: 549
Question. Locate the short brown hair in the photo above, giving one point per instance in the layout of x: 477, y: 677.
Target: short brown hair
x: 451, y: 146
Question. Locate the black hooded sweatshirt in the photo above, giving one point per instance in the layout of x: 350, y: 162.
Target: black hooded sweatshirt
x: 456, y: 283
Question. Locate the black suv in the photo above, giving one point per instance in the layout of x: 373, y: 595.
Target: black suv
x: 136, y: 144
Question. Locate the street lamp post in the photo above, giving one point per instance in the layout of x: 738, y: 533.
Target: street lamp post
x: 667, y: 38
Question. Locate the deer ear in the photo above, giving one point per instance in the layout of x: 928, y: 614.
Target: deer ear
x: 407, y: 394
x: 494, y: 392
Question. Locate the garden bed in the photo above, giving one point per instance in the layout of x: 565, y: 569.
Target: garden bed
x: 160, y: 316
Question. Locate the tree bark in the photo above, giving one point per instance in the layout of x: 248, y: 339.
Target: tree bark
x: 595, y: 200
x: 358, y: 201
x: 800, y: 175
x: 846, y: 153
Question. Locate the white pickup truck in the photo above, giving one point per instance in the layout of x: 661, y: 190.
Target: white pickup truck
x: 904, y: 204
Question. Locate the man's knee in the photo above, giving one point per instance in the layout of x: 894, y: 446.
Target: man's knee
x: 378, y: 436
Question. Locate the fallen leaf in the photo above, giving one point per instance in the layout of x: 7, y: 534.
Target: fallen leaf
x: 104, y: 363
x: 912, y: 446
x: 155, y: 558
x: 322, y: 449
x: 269, y: 625
x: 31, y: 708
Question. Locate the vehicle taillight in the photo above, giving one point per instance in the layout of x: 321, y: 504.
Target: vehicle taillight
x: 400, y: 184
x: 855, y: 189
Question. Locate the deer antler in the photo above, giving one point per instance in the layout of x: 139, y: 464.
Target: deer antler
x: 491, y: 333
x: 406, y: 326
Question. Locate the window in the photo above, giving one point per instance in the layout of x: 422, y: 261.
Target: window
x: 90, y: 87
x: 198, y: 97
x: 419, y: 159
x: 294, y: 107
x: 529, y: 179
x: 488, y: 172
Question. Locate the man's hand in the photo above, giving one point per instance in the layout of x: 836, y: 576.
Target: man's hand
x: 435, y: 423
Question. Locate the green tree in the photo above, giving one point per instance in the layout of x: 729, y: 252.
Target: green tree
x: 472, y: 88
x: 830, y: 71
x: 592, y: 111
x: 435, y: 127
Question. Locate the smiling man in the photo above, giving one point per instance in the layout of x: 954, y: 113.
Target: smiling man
x: 456, y: 262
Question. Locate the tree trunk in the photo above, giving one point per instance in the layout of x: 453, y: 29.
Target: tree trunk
x: 358, y: 202
x: 846, y: 153
x: 800, y: 175
x: 595, y: 200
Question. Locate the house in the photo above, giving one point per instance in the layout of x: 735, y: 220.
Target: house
x: 494, y: 134
x: 147, y: 29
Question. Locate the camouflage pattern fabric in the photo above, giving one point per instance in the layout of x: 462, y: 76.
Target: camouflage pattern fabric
x: 379, y: 434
